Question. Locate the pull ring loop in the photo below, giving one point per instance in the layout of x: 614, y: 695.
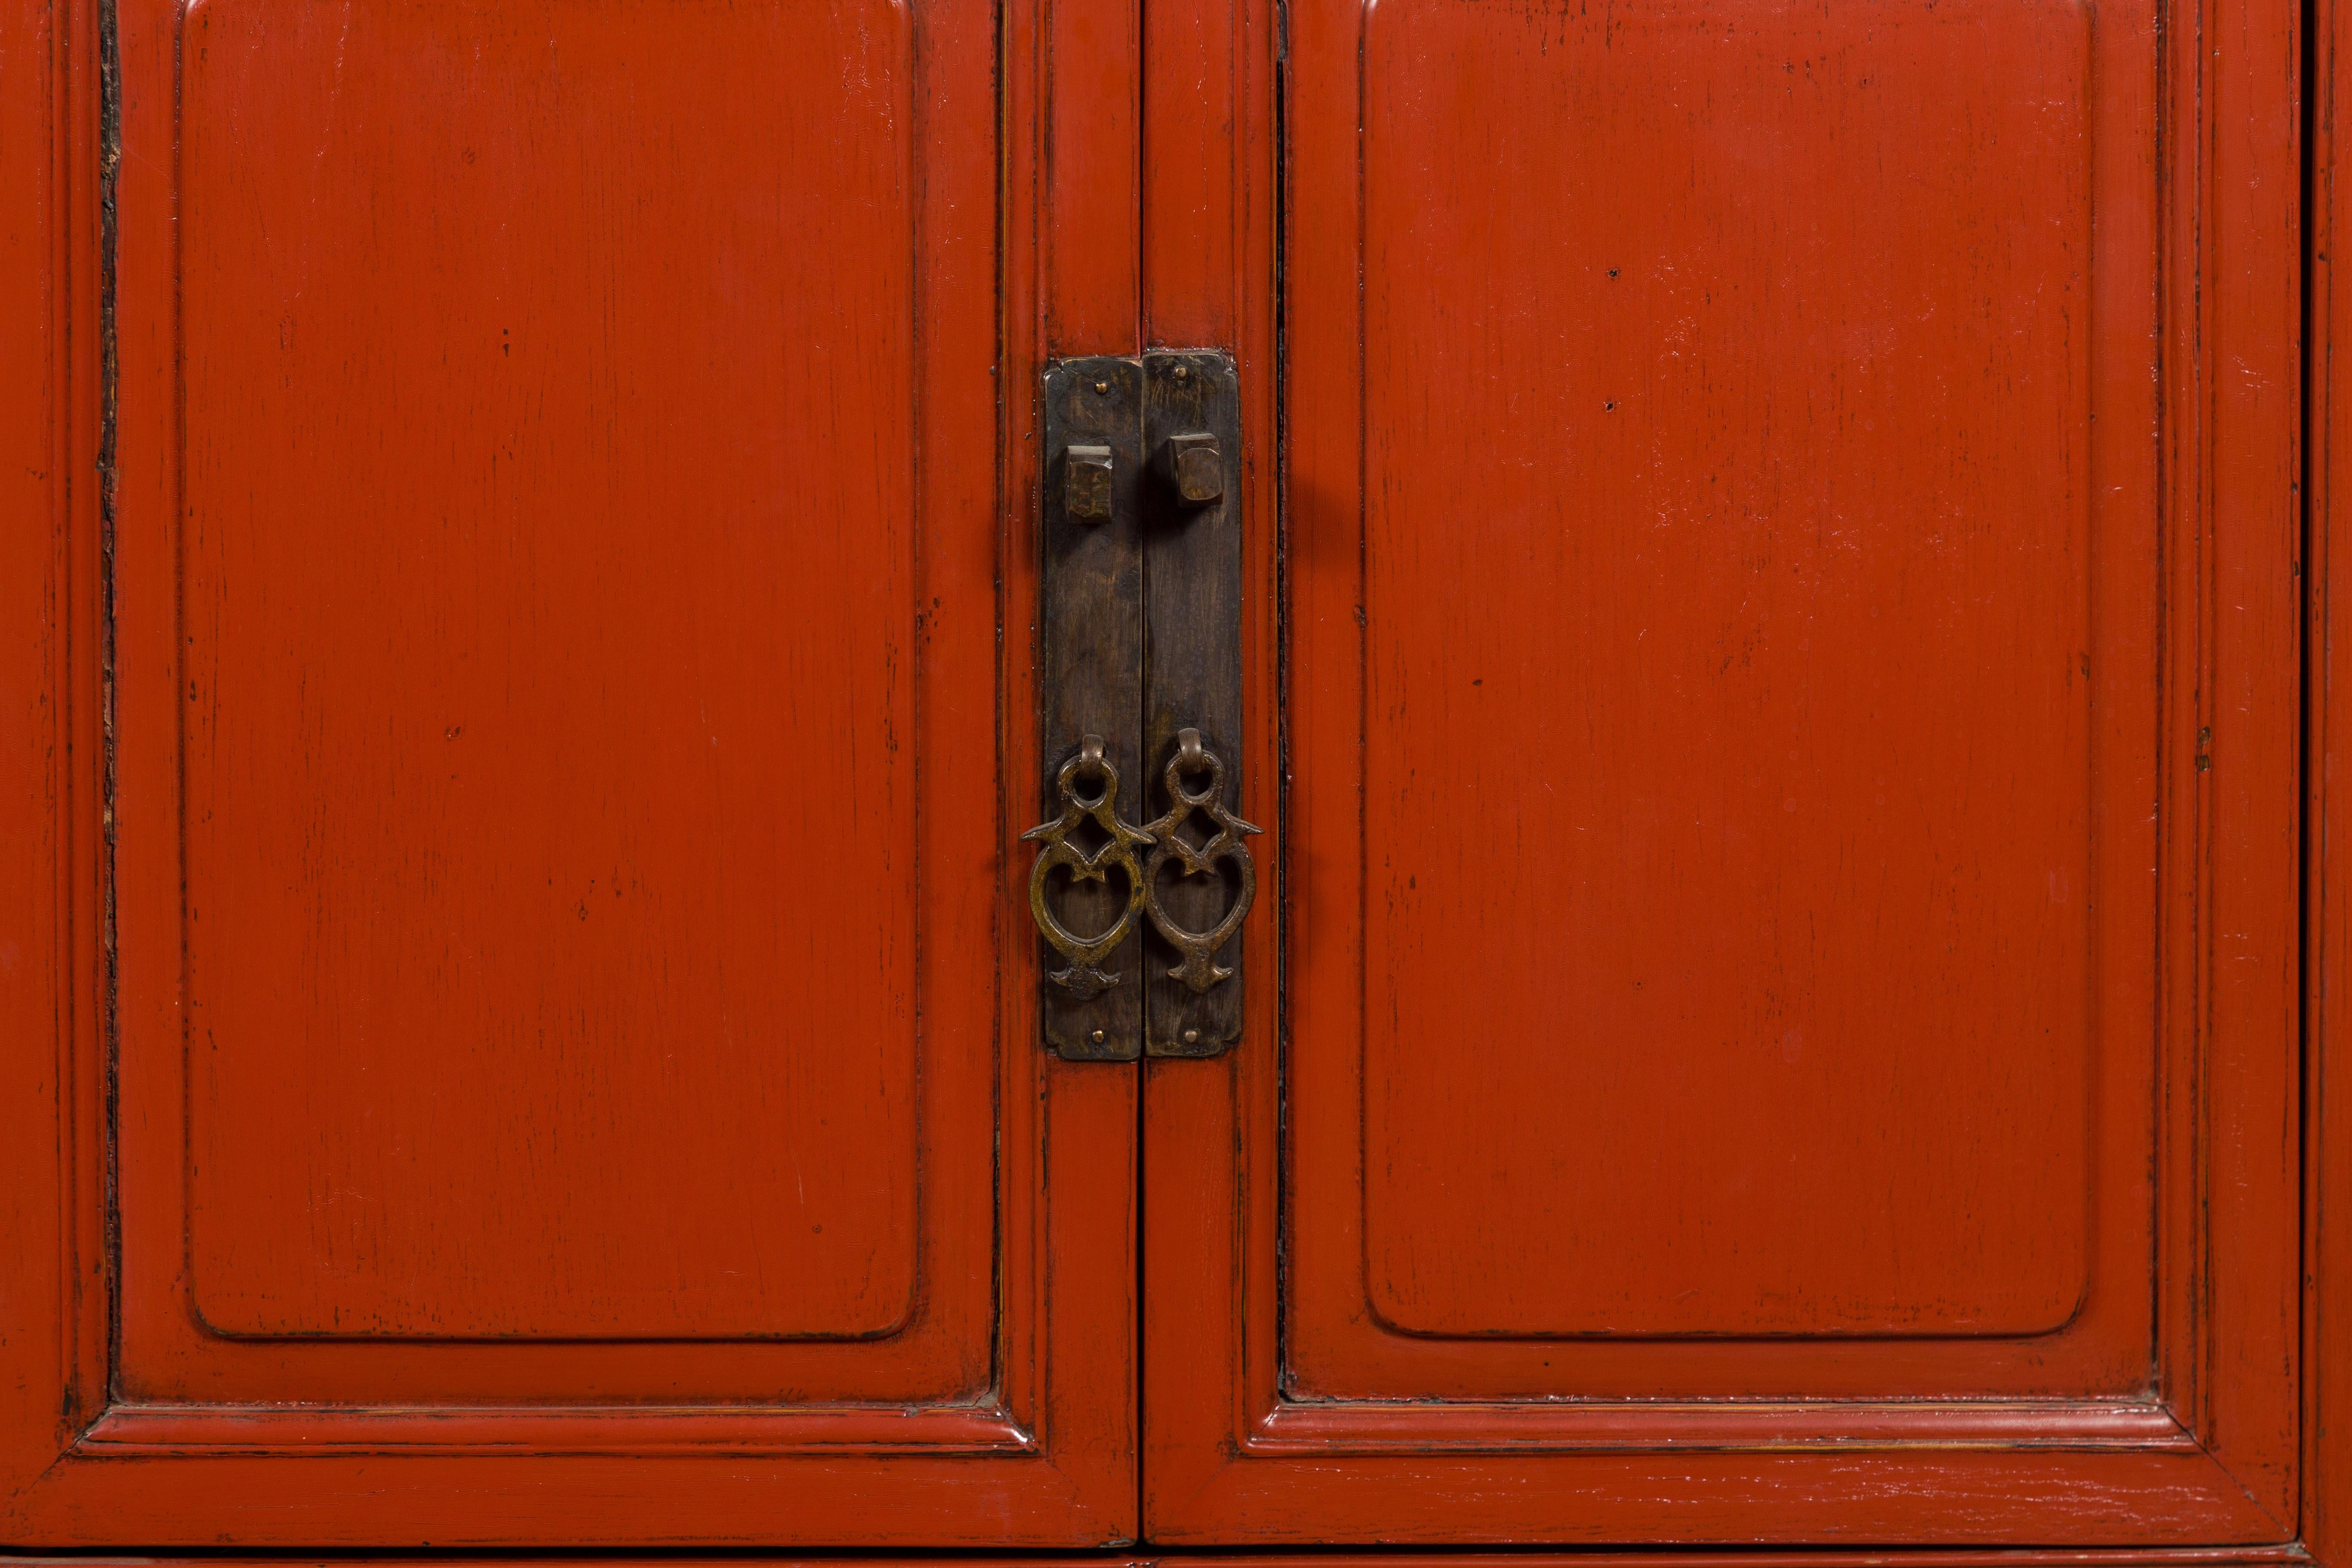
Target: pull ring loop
x: 1199, y: 971
x: 1086, y: 978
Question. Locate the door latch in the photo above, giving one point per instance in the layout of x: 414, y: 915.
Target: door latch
x: 1143, y: 874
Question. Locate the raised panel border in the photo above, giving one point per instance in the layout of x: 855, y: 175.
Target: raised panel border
x: 167, y: 1352
x: 1352, y: 1322
x: 176, y: 1343
x: 220, y: 1332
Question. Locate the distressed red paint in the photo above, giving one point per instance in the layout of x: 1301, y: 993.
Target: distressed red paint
x: 1775, y: 597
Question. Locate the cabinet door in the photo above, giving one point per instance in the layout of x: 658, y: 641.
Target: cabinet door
x: 1789, y: 853
x: 547, y: 1077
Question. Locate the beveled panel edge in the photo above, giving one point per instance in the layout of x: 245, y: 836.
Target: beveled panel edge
x: 1634, y: 1426
x: 167, y: 1429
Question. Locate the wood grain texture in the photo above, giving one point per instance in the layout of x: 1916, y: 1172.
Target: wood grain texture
x: 1199, y: 283
x: 1771, y: 578
x: 53, y: 426
x: 2177, y: 1558
x: 485, y: 1440
x: 522, y: 1002
x: 2236, y: 467
x: 1093, y: 256
x: 497, y: 922
x: 520, y: 307
x: 2326, y: 1413
x: 1503, y: 471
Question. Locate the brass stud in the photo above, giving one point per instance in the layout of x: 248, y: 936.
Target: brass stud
x: 1192, y: 1037
x: 1096, y: 1036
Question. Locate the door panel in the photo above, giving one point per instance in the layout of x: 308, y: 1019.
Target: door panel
x: 1761, y: 1043
x: 1792, y: 952
x: 1742, y: 828
x: 550, y: 971
x: 565, y: 1083
x: 593, y: 1031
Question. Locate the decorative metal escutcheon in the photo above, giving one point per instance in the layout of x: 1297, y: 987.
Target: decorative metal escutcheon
x: 1139, y: 647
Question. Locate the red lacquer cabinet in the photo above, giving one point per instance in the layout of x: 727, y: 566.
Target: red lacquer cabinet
x: 1769, y: 614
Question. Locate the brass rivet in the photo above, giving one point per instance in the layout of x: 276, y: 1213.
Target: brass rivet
x: 1096, y: 1036
x: 1192, y: 1037
x: 1181, y: 374
x: 1102, y: 388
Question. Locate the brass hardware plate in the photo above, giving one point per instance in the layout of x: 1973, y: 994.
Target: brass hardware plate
x: 1090, y: 688
x: 1140, y: 701
x: 1192, y: 681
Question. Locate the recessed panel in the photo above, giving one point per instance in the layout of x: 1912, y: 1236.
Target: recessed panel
x: 1728, y: 738
x: 550, y: 603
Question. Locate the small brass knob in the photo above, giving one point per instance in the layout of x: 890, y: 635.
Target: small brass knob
x: 1085, y: 483
x: 1198, y: 469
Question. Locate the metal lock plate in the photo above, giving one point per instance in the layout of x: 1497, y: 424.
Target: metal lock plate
x: 1144, y: 874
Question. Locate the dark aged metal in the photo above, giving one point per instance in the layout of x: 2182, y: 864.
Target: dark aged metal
x: 1088, y: 786
x: 1086, y: 482
x: 1199, y: 971
x: 1192, y: 681
x: 1090, y: 673
x: 1140, y: 651
x: 1196, y: 467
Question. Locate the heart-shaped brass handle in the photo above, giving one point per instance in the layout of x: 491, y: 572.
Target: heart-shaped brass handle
x: 1199, y: 970
x: 1086, y: 978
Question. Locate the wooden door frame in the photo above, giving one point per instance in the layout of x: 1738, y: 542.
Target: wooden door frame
x: 2326, y: 1515
x: 1051, y: 1464
x: 1226, y: 1459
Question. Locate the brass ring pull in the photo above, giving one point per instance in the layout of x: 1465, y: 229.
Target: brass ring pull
x: 1085, y: 978
x: 1199, y: 970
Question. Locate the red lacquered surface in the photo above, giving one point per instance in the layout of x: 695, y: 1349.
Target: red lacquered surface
x: 565, y: 1090
x: 1791, y: 626
x: 515, y: 400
